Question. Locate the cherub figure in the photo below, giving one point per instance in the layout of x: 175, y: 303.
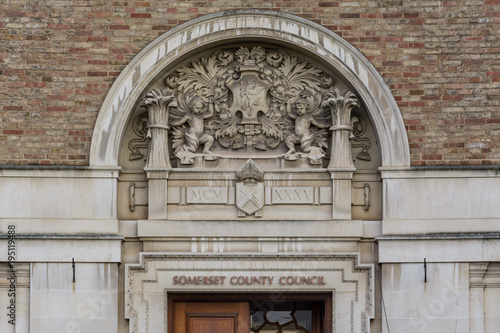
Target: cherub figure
x: 275, y: 111
x: 194, y: 135
x: 303, y: 134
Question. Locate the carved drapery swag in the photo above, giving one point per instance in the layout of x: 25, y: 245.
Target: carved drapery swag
x: 249, y: 99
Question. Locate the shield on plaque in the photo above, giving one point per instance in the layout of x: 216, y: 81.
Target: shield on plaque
x: 249, y: 197
x: 250, y: 96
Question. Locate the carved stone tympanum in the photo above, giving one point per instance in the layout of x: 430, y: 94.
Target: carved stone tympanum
x: 249, y: 98
x: 250, y: 101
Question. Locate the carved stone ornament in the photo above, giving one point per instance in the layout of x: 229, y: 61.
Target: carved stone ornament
x: 250, y: 100
x: 248, y: 171
x: 340, y: 106
x: 249, y: 191
x: 140, y: 128
x: 358, y: 128
x: 159, y: 104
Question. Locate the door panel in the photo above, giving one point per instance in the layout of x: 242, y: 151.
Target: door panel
x: 211, y: 325
x: 211, y: 317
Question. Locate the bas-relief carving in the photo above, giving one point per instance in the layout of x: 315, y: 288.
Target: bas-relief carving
x: 159, y: 104
x: 246, y: 100
x: 251, y: 99
x: 140, y: 129
x: 249, y: 102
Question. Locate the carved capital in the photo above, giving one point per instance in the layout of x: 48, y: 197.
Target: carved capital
x: 476, y: 274
x: 340, y: 106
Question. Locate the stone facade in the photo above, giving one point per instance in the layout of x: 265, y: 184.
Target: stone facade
x: 283, y: 144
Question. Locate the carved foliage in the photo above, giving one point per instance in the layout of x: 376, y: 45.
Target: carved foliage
x: 158, y: 104
x: 340, y: 106
x: 254, y: 99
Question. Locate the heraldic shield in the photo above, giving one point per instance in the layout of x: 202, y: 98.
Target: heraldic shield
x: 249, y: 197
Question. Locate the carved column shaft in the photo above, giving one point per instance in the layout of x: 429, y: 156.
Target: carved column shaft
x: 158, y: 155
x: 341, y: 155
x: 341, y: 194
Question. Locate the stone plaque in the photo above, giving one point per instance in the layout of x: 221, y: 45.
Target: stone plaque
x: 293, y: 195
x: 206, y: 195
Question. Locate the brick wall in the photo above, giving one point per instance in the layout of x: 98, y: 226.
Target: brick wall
x: 440, y: 58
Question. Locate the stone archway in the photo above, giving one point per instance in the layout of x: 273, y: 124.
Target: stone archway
x: 250, y: 25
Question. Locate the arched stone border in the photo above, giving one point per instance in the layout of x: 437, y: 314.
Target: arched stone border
x: 249, y: 24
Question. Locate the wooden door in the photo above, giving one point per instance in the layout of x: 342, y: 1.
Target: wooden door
x: 211, y: 317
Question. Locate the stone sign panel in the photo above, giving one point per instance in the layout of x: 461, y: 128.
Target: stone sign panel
x: 157, y: 275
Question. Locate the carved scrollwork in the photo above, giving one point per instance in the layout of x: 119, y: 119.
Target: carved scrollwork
x: 140, y: 128
x: 358, y: 126
x: 250, y: 98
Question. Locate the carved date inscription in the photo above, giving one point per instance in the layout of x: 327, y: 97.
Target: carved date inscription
x: 292, y: 195
x: 206, y: 195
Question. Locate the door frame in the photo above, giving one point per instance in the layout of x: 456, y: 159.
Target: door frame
x: 233, y: 297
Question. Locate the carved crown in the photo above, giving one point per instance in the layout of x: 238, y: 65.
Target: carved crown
x: 249, y: 170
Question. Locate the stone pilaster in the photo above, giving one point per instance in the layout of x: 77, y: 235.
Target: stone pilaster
x: 476, y: 301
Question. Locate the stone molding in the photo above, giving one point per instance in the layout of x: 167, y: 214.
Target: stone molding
x: 62, y: 248
x: 148, y: 283
x: 413, y: 173
x: 439, y: 248
x: 259, y: 25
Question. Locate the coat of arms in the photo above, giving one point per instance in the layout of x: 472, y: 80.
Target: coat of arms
x: 249, y: 98
x: 250, y: 191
